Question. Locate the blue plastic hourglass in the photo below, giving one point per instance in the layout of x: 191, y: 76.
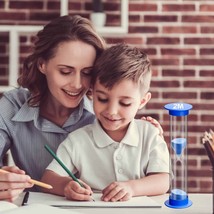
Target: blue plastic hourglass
x: 178, y: 113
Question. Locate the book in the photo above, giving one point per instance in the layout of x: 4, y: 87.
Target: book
x: 62, y: 202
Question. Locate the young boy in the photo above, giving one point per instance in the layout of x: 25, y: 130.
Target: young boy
x: 118, y: 155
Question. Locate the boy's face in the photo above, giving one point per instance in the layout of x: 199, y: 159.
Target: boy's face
x: 115, y: 108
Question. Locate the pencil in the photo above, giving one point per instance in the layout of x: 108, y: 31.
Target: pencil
x: 63, y: 166
x: 209, y: 150
x: 38, y: 183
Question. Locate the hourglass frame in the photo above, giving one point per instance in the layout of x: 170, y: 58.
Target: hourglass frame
x: 178, y: 113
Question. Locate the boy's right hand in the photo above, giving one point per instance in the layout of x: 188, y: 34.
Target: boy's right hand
x: 73, y: 191
x: 13, y: 183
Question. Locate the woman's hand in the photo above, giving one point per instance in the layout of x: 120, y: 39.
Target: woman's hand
x: 13, y: 183
x: 117, y: 191
x: 155, y: 123
x: 73, y: 191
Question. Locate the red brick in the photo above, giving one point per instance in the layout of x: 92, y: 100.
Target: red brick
x: 160, y: 18
x: 26, y: 4
x: 178, y: 7
x: 163, y: 40
x: 157, y: 62
x: 200, y: 84
x: 143, y: 29
x: 207, y: 7
x: 201, y: 62
x: 199, y: 41
x: 40, y: 16
x: 134, y: 18
x: 142, y: 7
x: 207, y: 95
x: 176, y: 72
x: 180, y: 29
x: 179, y: 95
x: 206, y: 73
x: 208, y: 117
x: 178, y: 51
x: 113, y: 20
x: 198, y: 19
x: 208, y: 29
x: 165, y: 83
x: 207, y: 51
x: 14, y: 16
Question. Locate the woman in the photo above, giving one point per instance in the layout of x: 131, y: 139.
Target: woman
x: 57, y: 78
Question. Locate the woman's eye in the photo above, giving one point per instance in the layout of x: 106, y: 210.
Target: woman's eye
x: 65, y: 71
x: 102, y: 100
x: 87, y: 72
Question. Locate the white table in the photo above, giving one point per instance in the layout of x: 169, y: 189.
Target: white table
x: 202, y: 204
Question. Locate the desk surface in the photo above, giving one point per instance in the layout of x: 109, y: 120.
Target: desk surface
x: 202, y: 204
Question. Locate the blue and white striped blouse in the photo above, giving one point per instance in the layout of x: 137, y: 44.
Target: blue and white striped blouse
x: 25, y: 132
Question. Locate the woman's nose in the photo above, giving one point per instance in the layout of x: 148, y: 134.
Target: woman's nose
x: 77, y: 81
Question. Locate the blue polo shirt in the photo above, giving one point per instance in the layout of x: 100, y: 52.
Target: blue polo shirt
x: 25, y: 132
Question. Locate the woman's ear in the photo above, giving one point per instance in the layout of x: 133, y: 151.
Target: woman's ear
x: 41, y: 65
x: 145, y: 100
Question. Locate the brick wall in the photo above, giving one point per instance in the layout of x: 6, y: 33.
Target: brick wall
x: 179, y: 39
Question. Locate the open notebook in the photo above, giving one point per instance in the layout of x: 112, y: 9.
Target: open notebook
x: 58, y: 201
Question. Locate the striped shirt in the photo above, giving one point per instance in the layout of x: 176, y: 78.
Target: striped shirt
x: 25, y: 132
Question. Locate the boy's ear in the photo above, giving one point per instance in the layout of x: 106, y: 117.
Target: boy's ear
x: 145, y: 100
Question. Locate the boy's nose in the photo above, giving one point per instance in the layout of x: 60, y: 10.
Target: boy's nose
x: 112, y: 109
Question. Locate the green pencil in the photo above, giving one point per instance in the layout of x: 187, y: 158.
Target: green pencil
x: 63, y: 165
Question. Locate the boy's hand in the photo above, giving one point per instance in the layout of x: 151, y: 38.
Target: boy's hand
x: 155, y: 123
x: 73, y: 191
x: 117, y: 191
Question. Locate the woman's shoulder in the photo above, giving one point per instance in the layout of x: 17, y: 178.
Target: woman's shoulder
x: 14, y: 99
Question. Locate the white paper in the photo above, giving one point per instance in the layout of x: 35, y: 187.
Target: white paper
x: 59, y: 201
x: 38, y: 208
x: 5, y: 205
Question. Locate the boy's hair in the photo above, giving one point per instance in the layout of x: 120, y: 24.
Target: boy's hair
x: 123, y: 62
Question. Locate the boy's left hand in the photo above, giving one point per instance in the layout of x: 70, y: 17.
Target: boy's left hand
x: 155, y: 123
x: 117, y: 191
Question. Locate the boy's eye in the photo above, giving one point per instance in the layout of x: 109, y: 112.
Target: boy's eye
x: 102, y: 100
x: 125, y: 104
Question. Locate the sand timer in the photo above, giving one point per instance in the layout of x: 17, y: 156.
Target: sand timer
x: 178, y: 197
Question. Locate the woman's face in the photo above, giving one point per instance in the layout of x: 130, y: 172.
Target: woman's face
x: 68, y: 73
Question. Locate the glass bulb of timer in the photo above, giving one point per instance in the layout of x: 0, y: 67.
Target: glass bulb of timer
x: 178, y: 113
